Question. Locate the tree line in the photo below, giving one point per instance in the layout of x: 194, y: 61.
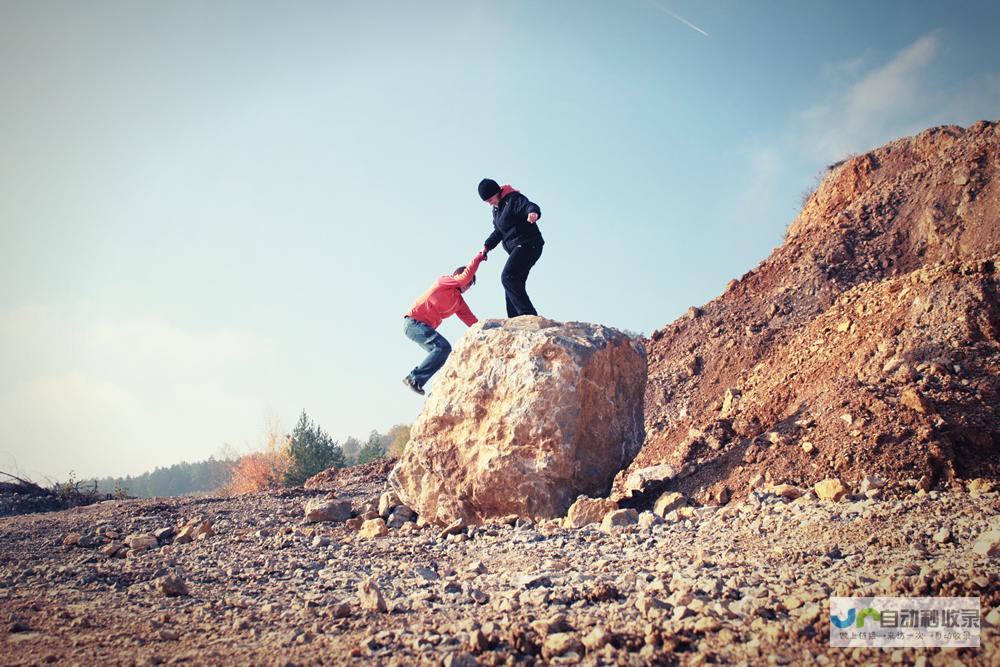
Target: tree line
x: 287, y: 459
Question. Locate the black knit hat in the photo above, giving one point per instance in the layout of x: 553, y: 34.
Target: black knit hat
x: 487, y: 188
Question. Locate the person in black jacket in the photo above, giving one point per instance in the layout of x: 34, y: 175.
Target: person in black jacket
x: 514, y: 223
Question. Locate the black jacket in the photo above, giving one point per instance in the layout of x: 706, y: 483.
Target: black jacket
x: 510, y: 223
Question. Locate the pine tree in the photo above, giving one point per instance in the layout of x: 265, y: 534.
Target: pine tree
x: 372, y: 450
x: 312, y: 450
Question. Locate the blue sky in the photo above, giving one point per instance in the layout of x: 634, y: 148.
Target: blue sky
x: 213, y: 215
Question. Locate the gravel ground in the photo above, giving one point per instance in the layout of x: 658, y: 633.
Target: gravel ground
x: 746, y: 583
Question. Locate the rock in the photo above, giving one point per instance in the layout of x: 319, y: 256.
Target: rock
x: 646, y: 604
x: 89, y: 541
x: 456, y: 527
x: 533, y: 581
x: 667, y: 502
x: 585, y: 511
x: 603, y: 591
x: 405, y: 513
x: 111, y: 549
x: 976, y: 487
x: 942, y: 535
x: 426, y: 573
x: 171, y: 586
x: 373, y: 528
x: 793, y: 602
x: 551, y: 625
x: 988, y: 543
x: 707, y: 624
x: 551, y: 410
x: 196, y: 528
x: 459, y: 660
x: 139, y: 542
x: 730, y: 401
x: 387, y: 502
x: 370, y: 597
x: 71, y: 539
x: 912, y: 399
x: 647, y: 479
x: 619, y: 519
x: 808, y: 447
x: 925, y: 483
x: 892, y: 365
x: 647, y: 520
x: 319, y: 509
x: 785, y: 491
x: 830, y: 489
x: 993, y: 618
x: 561, y: 643
x: 164, y: 534
x: 597, y: 638
x: 870, y: 483
x: 478, y: 641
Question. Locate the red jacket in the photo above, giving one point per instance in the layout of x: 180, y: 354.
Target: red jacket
x: 444, y: 298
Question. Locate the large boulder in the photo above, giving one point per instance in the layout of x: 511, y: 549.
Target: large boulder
x: 526, y: 415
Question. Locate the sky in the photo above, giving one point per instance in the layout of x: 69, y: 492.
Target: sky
x: 213, y: 215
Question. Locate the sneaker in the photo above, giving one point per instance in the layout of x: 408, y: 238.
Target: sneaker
x: 408, y: 381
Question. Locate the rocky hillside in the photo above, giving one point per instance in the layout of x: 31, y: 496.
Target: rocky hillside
x: 868, y: 343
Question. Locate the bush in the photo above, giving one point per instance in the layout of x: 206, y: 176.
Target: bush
x: 400, y: 434
x: 260, y: 471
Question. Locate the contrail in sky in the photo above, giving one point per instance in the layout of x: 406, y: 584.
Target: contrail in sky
x: 682, y: 20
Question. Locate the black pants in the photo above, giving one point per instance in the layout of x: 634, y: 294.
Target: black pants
x: 515, y: 275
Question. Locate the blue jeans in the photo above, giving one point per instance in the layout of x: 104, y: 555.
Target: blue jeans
x: 437, y: 348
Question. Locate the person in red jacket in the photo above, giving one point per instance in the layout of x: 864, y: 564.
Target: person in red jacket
x: 443, y: 299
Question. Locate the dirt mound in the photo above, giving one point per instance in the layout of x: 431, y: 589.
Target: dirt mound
x: 341, y: 479
x: 866, y: 344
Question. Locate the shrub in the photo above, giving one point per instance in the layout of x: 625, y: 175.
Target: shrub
x: 260, y: 471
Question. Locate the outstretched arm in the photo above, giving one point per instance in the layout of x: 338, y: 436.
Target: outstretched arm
x: 492, y: 240
x: 463, y: 279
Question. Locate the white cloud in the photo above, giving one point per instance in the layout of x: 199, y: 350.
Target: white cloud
x: 108, y: 396
x: 870, y: 110
x: 867, y: 105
